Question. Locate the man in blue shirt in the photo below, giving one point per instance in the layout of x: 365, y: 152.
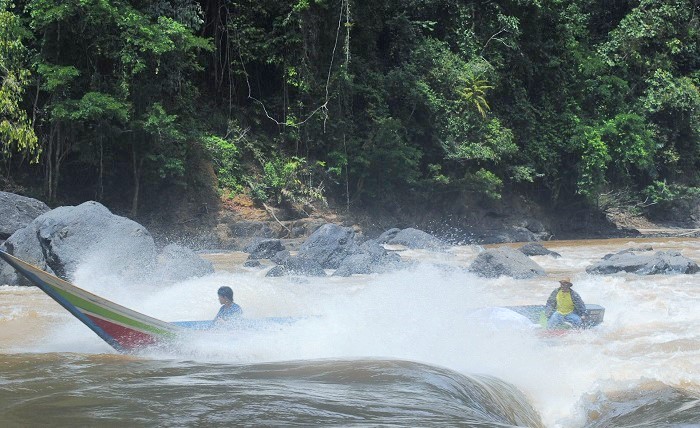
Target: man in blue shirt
x: 229, y: 310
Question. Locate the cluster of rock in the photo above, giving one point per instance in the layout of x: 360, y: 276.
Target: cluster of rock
x: 643, y: 261
x: 62, y: 239
x: 339, y: 248
x: 505, y: 261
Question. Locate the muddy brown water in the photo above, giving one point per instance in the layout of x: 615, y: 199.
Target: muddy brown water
x: 419, y: 347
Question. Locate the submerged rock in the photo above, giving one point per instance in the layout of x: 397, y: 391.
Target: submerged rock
x: 535, y: 249
x: 252, y: 263
x: 661, y: 262
x: 505, y: 261
x: 296, y: 265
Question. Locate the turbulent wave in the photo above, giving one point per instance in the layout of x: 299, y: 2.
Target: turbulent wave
x: 103, y: 390
x: 645, y: 405
x: 352, y: 344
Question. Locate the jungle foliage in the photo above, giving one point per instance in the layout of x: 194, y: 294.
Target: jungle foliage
x: 359, y: 101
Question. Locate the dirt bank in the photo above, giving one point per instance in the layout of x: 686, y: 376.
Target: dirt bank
x: 231, y: 223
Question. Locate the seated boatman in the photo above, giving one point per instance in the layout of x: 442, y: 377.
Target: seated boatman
x: 564, y: 305
x: 229, y: 310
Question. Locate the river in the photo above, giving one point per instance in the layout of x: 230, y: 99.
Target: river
x: 418, y: 347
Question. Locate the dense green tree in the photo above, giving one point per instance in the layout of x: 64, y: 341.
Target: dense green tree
x: 565, y: 100
x: 16, y: 131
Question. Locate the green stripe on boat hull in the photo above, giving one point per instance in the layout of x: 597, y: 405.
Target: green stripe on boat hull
x: 121, y: 327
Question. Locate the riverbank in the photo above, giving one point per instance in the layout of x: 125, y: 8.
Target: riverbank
x: 231, y: 224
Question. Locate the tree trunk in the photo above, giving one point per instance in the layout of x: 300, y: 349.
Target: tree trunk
x: 100, y: 182
x: 58, y: 157
x: 48, y: 175
x: 137, y: 165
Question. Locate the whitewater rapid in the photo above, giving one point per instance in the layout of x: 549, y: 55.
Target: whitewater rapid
x: 434, y: 313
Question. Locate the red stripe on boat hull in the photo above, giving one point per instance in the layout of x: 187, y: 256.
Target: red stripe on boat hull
x: 127, y: 337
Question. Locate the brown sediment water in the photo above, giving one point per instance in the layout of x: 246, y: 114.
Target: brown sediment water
x: 401, y: 349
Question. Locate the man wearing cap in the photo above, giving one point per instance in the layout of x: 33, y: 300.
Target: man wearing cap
x: 564, y: 305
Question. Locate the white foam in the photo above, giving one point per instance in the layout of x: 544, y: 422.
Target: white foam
x: 435, y: 315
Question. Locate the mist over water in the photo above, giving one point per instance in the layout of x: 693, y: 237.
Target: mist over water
x: 645, y: 355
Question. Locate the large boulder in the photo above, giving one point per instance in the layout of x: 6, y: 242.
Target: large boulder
x: 416, y: 239
x: 65, y: 238
x: 388, y: 235
x: 371, y: 258
x: 661, y: 262
x: 360, y: 263
x: 16, y: 212
x: 505, y: 261
x: 263, y: 248
x: 280, y: 257
x: 329, y: 245
x: 535, y: 249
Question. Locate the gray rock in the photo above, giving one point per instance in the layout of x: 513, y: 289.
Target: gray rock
x: 264, y: 248
x: 90, y: 233
x: 629, y: 251
x: 371, y: 258
x: 534, y: 225
x: 662, y: 262
x: 641, y: 248
x: 16, y: 212
x: 252, y: 263
x: 505, y: 261
x: 388, y: 235
x: 280, y: 257
x: 355, y: 264
x: 535, y: 249
x: 276, y: 272
x: 329, y: 245
x: 521, y: 234
x: 295, y: 265
x: 66, y: 237
x: 417, y: 239
x: 177, y: 263
x: 375, y: 250
x: 32, y: 254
